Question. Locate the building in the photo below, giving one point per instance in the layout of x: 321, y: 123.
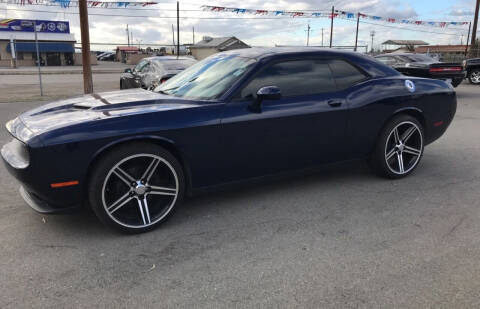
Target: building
x: 401, y: 46
x: 123, y: 52
x: 444, y: 52
x: 209, y: 46
x: 17, y: 42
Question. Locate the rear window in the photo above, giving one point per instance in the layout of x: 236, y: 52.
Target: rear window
x: 418, y: 58
x: 345, y: 74
x: 175, y: 64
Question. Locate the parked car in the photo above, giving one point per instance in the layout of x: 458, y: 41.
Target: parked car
x: 101, y: 54
x: 150, y: 72
x: 107, y: 57
x: 472, y: 67
x: 234, y: 116
x: 421, y: 65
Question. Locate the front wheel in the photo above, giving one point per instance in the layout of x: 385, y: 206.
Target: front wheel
x: 399, y: 147
x: 474, y: 77
x: 135, y: 187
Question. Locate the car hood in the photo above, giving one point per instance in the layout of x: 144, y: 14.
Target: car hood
x: 92, y: 107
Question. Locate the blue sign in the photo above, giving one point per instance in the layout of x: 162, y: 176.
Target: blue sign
x: 26, y: 25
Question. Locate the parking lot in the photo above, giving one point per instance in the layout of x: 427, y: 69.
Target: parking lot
x: 338, y: 238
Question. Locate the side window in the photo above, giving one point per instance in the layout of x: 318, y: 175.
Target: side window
x: 345, y: 74
x: 294, y: 78
x: 157, y: 68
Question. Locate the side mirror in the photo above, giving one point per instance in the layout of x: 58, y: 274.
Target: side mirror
x: 269, y: 93
x: 128, y: 70
x: 264, y: 93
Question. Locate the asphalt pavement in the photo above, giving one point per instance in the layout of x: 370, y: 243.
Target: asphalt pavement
x: 339, y: 238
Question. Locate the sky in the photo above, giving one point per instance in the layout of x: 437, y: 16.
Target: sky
x: 157, y: 28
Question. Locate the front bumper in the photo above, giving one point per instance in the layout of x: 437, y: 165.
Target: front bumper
x: 41, y: 206
x: 36, y: 179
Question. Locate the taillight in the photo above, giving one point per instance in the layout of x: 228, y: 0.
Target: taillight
x: 163, y: 80
x: 446, y: 69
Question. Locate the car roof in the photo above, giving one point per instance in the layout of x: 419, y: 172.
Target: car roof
x: 366, y: 62
x: 164, y: 58
x: 262, y: 52
x: 400, y: 54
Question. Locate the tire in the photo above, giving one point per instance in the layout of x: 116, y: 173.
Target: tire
x: 456, y: 82
x: 474, y: 77
x: 122, y: 85
x: 397, y: 155
x: 135, y: 187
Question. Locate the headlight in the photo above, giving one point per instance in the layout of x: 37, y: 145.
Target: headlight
x: 16, y: 154
x: 19, y: 130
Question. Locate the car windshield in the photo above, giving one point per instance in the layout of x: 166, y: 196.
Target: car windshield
x: 207, y: 79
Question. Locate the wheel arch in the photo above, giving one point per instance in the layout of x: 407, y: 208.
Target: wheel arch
x: 411, y: 111
x: 414, y: 112
x: 168, y: 144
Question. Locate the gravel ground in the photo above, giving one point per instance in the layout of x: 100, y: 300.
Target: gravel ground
x: 341, y: 238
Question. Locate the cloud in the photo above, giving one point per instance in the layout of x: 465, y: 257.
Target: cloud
x: 262, y: 32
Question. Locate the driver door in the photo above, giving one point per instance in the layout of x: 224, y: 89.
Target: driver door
x: 305, y: 127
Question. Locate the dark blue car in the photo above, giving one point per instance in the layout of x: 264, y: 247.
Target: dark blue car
x: 238, y: 115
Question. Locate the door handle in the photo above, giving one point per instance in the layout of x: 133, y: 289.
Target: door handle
x: 334, y: 103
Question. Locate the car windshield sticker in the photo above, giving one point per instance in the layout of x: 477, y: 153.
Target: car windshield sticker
x: 410, y: 85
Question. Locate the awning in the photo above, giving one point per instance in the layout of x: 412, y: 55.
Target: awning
x: 43, y: 47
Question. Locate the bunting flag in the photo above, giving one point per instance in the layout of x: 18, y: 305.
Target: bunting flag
x: 74, y: 3
x: 221, y: 9
x: 328, y: 14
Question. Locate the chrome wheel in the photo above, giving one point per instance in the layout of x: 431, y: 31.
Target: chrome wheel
x: 140, y: 190
x: 403, y: 148
x: 475, y: 77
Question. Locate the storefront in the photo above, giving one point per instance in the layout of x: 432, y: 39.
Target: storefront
x: 18, y: 46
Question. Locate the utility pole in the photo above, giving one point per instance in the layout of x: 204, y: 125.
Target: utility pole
x: 178, y: 29
x: 331, y: 26
x: 128, y: 36
x: 322, y: 37
x: 87, y: 69
x: 173, y: 40
x: 193, y: 35
x: 356, y: 33
x: 468, y: 37
x: 475, y: 22
x: 372, y: 34
x: 308, y: 34
x: 38, y: 58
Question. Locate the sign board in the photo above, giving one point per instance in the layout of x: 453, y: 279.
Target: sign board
x: 26, y: 25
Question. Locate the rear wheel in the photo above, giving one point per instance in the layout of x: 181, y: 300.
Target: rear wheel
x: 456, y: 82
x: 136, y: 187
x: 474, y: 76
x: 399, y: 147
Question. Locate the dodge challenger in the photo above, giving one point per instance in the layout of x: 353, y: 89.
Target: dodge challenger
x: 133, y: 155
